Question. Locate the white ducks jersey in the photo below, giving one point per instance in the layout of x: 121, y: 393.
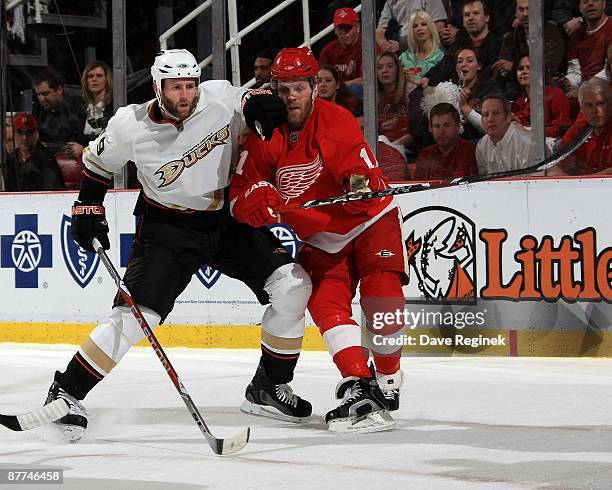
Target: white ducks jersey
x: 179, y: 166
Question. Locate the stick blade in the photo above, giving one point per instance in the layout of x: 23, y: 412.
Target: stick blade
x: 36, y: 418
x: 230, y: 445
x: 10, y: 422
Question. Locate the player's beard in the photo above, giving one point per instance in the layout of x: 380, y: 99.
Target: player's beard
x: 296, y: 120
x: 178, y: 110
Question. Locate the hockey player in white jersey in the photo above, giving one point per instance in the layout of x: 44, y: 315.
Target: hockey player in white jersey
x: 184, y: 143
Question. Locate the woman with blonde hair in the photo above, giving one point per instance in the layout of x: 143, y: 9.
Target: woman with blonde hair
x: 97, y: 87
x: 424, y: 51
x: 97, y: 92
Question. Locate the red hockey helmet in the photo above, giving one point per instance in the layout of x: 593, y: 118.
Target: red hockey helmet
x: 293, y: 63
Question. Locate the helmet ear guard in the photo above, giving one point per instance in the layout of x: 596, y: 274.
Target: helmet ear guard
x: 173, y: 63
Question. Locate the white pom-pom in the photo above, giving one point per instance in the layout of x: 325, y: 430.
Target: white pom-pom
x: 443, y: 92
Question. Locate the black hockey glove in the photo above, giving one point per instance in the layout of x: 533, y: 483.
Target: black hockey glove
x: 263, y: 111
x: 89, y: 221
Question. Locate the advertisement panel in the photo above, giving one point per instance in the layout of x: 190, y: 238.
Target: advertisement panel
x: 529, y: 254
x: 506, y: 256
x: 46, y: 277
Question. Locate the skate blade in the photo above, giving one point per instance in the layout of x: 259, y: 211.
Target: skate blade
x: 269, y: 412
x: 373, y: 422
x: 69, y: 433
x: 394, y: 408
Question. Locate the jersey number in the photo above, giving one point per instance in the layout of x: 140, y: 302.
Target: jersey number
x: 243, y: 157
x: 366, y: 158
x: 100, y: 147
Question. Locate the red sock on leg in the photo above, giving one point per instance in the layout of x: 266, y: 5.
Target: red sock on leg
x: 387, y: 364
x: 353, y: 361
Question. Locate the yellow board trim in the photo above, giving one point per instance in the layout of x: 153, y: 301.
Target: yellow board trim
x: 526, y: 343
x: 197, y: 336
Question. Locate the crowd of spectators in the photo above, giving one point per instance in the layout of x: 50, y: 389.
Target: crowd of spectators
x: 44, y: 148
x: 479, y: 47
x: 32, y: 165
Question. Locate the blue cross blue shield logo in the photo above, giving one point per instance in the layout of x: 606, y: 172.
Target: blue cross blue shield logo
x: 208, y: 276
x: 26, y: 251
x: 81, y: 264
x: 287, y: 237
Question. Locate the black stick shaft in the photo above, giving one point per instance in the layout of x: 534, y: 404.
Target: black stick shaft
x: 410, y: 188
x: 215, y: 443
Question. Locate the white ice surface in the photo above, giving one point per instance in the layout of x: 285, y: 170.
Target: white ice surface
x: 464, y: 423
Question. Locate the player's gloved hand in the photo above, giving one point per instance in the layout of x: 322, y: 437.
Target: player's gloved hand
x: 255, y: 206
x: 263, y: 111
x: 89, y: 221
x: 361, y: 181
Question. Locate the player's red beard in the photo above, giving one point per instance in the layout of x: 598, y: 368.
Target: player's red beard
x: 296, y: 119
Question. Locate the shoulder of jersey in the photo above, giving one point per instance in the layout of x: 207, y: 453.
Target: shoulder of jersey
x: 211, y: 90
x: 339, y: 123
x: 220, y: 93
x: 127, y: 118
x: 130, y: 114
x: 214, y: 84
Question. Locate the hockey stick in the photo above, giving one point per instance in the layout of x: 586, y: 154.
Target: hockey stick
x: 407, y: 189
x: 36, y: 418
x: 219, y: 446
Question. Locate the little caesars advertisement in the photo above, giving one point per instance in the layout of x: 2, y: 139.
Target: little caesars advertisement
x: 522, y: 255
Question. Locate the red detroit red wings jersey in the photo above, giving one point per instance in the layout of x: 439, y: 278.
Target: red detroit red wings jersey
x: 314, y: 163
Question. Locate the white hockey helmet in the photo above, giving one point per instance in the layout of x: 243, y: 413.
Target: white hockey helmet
x: 173, y: 63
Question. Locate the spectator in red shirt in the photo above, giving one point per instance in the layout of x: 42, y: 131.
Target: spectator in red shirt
x: 451, y: 156
x: 333, y: 88
x: 566, y: 14
x: 595, y: 155
x: 31, y: 167
x: 344, y: 52
x: 587, y: 46
x: 557, y: 106
x: 400, y: 120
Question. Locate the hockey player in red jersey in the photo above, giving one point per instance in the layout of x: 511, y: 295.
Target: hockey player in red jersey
x: 320, y: 152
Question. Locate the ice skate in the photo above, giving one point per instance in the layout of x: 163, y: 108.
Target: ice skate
x: 266, y: 398
x: 73, y: 425
x: 390, y: 385
x: 364, y: 408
